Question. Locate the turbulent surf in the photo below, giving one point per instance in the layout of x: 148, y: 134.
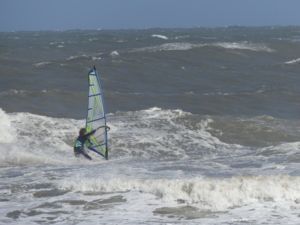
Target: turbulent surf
x: 204, y: 126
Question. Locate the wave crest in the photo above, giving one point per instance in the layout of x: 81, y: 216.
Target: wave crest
x: 294, y: 61
x: 184, y: 46
x: 205, y: 193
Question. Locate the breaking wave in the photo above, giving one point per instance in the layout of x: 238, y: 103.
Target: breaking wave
x: 147, y: 134
x: 205, y: 193
x: 160, y: 36
x: 294, y: 61
x: 183, y: 46
x: 42, y: 64
x: 34, y: 139
x: 30, y: 139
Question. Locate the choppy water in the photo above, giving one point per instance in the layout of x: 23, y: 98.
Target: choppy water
x: 204, y: 127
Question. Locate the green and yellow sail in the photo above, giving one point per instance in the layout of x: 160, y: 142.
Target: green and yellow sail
x: 96, y: 117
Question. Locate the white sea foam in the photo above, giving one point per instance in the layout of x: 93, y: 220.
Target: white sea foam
x: 33, y: 139
x: 45, y: 139
x: 42, y: 64
x: 294, y: 61
x: 159, y: 132
x: 13, y: 92
x: 57, y: 43
x: 23, y: 93
x: 6, y: 129
x: 181, y: 37
x: 184, y: 46
x: 146, y: 185
x: 160, y: 36
x: 114, y: 54
x: 94, y: 58
x: 74, y: 57
x: 93, y: 39
x: 175, y: 46
x: 244, y: 46
x: 148, y: 134
x: 213, y: 194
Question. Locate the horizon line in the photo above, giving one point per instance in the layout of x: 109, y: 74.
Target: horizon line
x: 149, y: 28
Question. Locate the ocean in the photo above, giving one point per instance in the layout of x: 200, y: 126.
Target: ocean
x: 204, y: 126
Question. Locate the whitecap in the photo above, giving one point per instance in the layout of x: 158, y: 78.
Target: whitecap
x: 174, y: 46
x: 184, y: 46
x: 182, y: 37
x: 6, y: 129
x: 213, y: 194
x: 160, y: 36
x: 94, y: 58
x: 93, y: 39
x: 74, y: 57
x: 243, y: 46
x: 114, y: 54
x: 294, y: 61
x: 51, y: 145
x: 41, y: 64
x: 57, y: 43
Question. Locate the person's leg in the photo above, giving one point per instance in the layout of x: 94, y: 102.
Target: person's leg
x: 86, y: 155
x: 76, y: 153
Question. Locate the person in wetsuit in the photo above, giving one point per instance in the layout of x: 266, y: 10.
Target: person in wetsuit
x: 79, y: 143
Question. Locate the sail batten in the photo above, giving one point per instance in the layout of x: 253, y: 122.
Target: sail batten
x: 95, y: 95
x: 96, y: 116
x: 95, y: 120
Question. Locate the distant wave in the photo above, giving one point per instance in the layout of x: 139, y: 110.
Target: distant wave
x: 93, y: 39
x: 175, y: 46
x: 244, y: 46
x: 93, y: 57
x: 293, y: 39
x: 294, y: 61
x: 58, y: 44
x: 14, y: 92
x: 183, y: 46
x: 160, y: 36
x: 114, y: 54
x: 181, y: 37
x: 42, y: 64
x: 74, y: 57
x: 24, y: 93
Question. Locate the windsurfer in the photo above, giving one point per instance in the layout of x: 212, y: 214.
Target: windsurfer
x: 80, y: 141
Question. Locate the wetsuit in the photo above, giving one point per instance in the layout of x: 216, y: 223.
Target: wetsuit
x: 79, y: 145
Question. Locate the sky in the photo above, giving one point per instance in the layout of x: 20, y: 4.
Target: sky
x: 16, y: 15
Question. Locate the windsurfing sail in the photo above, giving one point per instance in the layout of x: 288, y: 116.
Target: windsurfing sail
x: 96, y: 118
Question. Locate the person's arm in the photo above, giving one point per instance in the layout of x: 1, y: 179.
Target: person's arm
x: 107, y: 128
x: 94, y: 131
x: 89, y: 134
